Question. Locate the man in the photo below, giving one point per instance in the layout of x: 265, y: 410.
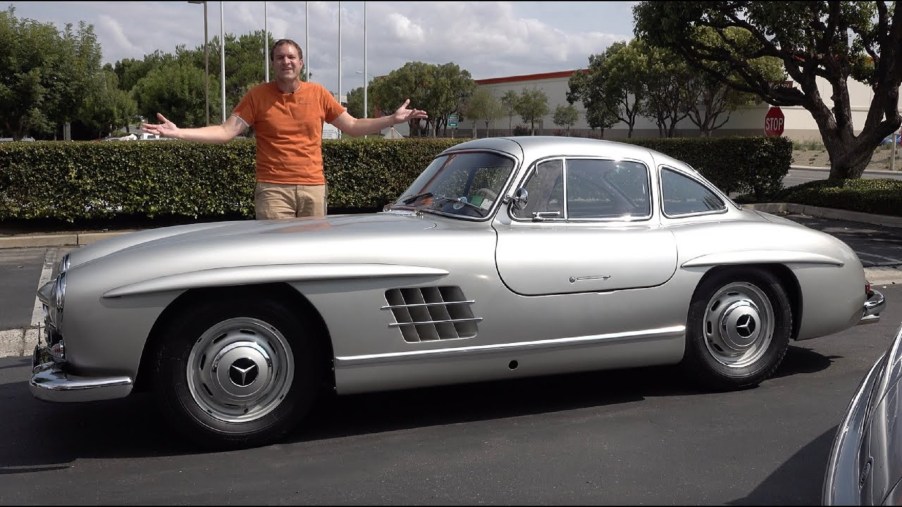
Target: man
x: 287, y: 116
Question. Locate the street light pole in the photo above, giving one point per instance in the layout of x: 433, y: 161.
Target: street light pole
x: 339, y: 58
x: 222, y: 59
x: 265, y: 47
x: 365, y: 75
x: 206, y: 59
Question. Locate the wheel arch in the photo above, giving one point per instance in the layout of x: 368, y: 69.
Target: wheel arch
x: 783, y: 273
x: 182, y: 305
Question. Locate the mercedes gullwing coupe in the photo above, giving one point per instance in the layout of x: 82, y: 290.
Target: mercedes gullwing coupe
x: 506, y: 258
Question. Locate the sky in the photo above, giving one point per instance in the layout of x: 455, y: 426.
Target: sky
x: 488, y: 39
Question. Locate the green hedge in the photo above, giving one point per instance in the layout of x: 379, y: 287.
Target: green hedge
x: 74, y: 181
x: 882, y: 196
x: 754, y: 165
x: 87, y: 181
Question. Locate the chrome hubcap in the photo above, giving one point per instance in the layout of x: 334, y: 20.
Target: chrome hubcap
x: 739, y: 324
x: 240, y: 370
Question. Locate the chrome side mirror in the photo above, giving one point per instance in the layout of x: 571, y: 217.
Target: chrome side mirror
x: 521, y: 197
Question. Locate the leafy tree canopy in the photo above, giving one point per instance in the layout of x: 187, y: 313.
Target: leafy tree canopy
x: 828, y: 40
x: 532, y: 106
x: 45, y: 74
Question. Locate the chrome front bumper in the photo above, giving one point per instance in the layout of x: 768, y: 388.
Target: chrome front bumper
x: 50, y: 382
x: 872, y: 308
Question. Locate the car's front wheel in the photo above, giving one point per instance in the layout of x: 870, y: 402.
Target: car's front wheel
x: 738, y: 328
x: 238, y: 373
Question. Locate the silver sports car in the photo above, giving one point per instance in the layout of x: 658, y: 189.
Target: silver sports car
x: 506, y: 258
x: 865, y: 464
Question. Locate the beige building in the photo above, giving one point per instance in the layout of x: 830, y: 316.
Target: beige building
x: 747, y: 121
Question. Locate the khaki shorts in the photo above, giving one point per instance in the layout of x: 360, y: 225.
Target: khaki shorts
x: 272, y: 200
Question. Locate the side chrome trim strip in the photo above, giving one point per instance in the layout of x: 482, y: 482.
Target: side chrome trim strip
x: 476, y: 350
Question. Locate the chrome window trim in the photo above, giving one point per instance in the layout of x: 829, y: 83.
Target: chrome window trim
x: 566, y: 218
x: 661, y: 168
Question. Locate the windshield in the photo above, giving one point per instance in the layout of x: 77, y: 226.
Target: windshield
x: 459, y: 184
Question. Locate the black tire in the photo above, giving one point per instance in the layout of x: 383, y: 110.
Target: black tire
x: 237, y: 373
x: 738, y: 329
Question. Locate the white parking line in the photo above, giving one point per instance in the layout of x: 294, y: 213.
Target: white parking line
x: 49, y: 257
x: 32, y: 335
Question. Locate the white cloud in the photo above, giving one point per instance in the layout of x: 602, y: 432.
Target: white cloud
x: 109, y: 29
x: 405, y: 30
x: 489, y: 39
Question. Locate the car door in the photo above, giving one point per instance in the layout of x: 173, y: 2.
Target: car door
x: 585, y: 226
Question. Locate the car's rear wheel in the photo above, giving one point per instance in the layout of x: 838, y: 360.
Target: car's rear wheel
x: 238, y: 373
x: 738, y: 328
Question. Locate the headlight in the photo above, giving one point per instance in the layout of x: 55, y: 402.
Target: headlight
x: 63, y: 264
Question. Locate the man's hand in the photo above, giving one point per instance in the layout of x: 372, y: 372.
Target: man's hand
x: 404, y: 114
x: 164, y: 129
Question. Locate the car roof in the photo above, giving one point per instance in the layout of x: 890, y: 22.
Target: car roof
x: 534, y: 147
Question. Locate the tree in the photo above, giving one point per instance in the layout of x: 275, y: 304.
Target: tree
x: 589, y: 87
x: 245, y: 68
x: 831, y: 41
x: 355, y: 103
x: 175, y: 89
x: 439, y: 89
x: 714, y: 101
x: 532, y: 105
x: 614, y: 87
x: 410, y: 81
x: 79, y: 68
x: 44, y: 74
x: 450, y: 88
x: 484, y: 106
x: 565, y: 116
x: 509, y: 102
x: 106, y: 107
x: 667, y: 98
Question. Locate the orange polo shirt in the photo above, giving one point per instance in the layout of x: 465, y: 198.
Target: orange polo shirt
x: 289, y: 131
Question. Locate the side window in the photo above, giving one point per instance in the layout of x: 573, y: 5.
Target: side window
x: 607, y: 189
x: 682, y: 195
x: 546, y: 191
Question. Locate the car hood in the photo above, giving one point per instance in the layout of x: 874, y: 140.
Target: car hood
x: 260, y: 242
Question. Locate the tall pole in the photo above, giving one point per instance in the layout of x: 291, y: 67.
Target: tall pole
x: 222, y: 59
x: 339, y: 58
x: 265, y: 47
x: 306, y: 42
x: 206, y: 58
x: 365, y: 75
x: 206, y: 65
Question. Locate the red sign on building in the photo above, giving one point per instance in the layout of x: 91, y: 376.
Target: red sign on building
x: 773, y: 122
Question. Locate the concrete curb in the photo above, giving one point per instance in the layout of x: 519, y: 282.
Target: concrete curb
x: 56, y: 239
x: 18, y: 342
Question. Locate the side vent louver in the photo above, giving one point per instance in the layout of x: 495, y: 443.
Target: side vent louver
x: 431, y: 313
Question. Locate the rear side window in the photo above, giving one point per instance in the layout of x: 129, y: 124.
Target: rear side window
x: 682, y: 195
x: 587, y: 189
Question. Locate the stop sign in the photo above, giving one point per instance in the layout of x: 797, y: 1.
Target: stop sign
x: 773, y: 122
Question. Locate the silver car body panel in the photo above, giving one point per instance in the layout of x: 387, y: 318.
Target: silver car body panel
x: 244, y: 275
x: 545, y: 296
